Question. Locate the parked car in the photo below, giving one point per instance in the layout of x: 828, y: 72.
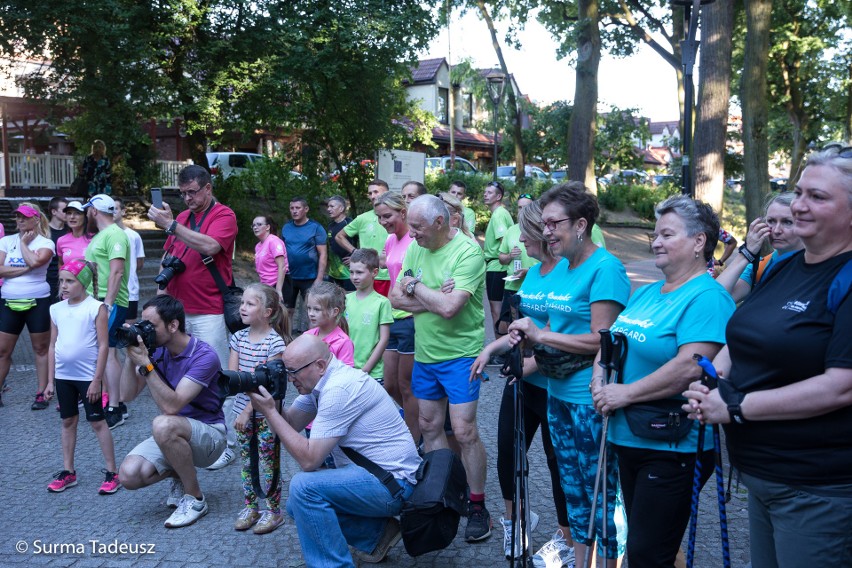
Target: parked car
x: 533, y: 172
x: 442, y: 164
x: 778, y: 184
x: 735, y: 184
x: 559, y: 176
x: 630, y: 176
x: 661, y: 179
x: 231, y: 163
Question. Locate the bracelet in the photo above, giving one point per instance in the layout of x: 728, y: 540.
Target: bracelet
x: 172, y: 228
x: 750, y: 256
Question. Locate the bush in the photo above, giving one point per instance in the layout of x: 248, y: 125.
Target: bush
x: 641, y: 198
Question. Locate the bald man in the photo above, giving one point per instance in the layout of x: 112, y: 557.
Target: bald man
x: 345, y: 506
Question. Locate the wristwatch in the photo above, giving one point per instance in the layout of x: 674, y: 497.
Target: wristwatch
x: 735, y: 411
x: 145, y: 370
x: 409, y: 288
x: 750, y: 256
x: 172, y: 228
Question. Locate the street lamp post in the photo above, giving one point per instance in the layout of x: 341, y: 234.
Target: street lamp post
x: 496, y: 84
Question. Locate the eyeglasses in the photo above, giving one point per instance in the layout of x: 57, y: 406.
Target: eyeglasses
x: 496, y: 184
x: 551, y: 225
x: 294, y: 371
x: 191, y: 193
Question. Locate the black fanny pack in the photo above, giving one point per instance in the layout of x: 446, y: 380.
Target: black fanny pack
x: 660, y: 420
x: 558, y: 364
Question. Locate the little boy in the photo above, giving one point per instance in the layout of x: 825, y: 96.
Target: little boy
x: 368, y: 313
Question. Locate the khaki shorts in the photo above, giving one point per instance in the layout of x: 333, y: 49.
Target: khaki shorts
x: 207, y: 442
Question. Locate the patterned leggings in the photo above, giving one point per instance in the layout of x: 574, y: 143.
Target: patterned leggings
x: 267, y: 460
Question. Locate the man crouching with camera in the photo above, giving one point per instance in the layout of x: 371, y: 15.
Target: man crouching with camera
x: 181, y: 372
x: 349, y: 409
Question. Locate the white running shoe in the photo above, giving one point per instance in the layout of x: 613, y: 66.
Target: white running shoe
x: 176, y: 493
x: 507, y: 535
x: 188, y: 511
x: 555, y: 553
x: 227, y: 458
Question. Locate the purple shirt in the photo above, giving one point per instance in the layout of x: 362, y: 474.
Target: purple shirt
x: 199, y: 364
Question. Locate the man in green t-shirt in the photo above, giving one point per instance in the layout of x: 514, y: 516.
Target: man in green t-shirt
x: 110, y: 251
x: 498, y: 224
x: 370, y: 234
x: 448, y: 336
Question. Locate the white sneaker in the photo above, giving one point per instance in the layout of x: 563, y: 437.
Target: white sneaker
x: 176, y: 493
x: 188, y: 511
x: 227, y: 458
x: 555, y: 553
x: 507, y: 535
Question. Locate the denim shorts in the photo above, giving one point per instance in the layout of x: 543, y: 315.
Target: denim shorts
x: 402, y: 336
x: 450, y: 379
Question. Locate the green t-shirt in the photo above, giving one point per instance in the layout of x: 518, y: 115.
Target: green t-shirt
x: 370, y: 235
x: 500, y: 221
x: 437, y: 339
x: 336, y: 269
x: 364, y: 317
x: 469, y: 219
x: 510, y: 241
x: 598, y: 237
x: 109, y: 244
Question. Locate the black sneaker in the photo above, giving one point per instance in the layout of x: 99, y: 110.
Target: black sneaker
x: 113, y: 417
x: 39, y: 403
x: 498, y: 360
x: 478, y: 523
x: 123, y: 408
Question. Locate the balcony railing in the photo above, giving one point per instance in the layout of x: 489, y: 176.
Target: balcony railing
x: 47, y: 171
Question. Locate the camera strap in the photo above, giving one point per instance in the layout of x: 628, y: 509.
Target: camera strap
x: 254, y: 460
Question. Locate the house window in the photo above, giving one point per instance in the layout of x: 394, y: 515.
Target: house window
x: 468, y: 110
x: 443, y: 105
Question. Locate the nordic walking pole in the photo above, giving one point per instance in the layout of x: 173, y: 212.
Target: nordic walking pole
x: 619, y: 354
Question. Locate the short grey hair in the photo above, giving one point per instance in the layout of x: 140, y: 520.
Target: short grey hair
x: 430, y: 207
x: 784, y: 199
x: 697, y: 216
x: 830, y: 157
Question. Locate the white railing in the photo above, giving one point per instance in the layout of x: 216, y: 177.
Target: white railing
x: 38, y: 170
x: 169, y: 170
x: 48, y: 171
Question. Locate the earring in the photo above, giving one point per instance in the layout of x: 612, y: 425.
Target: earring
x: 579, y: 237
x: 696, y: 254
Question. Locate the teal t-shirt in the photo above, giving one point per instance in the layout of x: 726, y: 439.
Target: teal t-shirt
x: 364, y: 318
x: 437, y: 339
x: 600, y: 278
x: 656, y: 325
x: 107, y: 245
x: 499, y: 223
x: 370, y: 235
x: 533, y: 294
x: 511, y: 240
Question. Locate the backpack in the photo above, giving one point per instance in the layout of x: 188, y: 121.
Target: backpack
x: 837, y: 291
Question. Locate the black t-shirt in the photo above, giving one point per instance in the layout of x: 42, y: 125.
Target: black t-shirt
x: 335, y: 228
x: 782, y: 334
x: 53, y: 267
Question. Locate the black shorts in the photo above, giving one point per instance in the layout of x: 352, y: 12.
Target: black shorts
x: 506, y: 308
x: 69, y: 392
x: 347, y: 285
x: 402, y: 336
x: 494, y: 285
x: 292, y: 288
x: 37, y: 318
x: 132, y: 310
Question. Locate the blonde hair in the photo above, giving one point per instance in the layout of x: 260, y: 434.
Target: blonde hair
x: 330, y: 296
x: 454, y: 206
x: 43, y: 221
x: 279, y: 318
x: 99, y: 148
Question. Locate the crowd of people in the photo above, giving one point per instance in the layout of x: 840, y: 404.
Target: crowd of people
x: 393, y: 359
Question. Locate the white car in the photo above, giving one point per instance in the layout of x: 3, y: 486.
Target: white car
x: 534, y: 172
x: 230, y: 163
x: 443, y: 164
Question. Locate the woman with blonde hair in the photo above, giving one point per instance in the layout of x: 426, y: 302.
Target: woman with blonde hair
x: 24, y: 259
x: 456, y: 213
x: 96, y: 169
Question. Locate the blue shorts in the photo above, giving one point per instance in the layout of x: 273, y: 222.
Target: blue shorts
x: 402, y: 336
x: 116, y: 320
x: 447, y: 379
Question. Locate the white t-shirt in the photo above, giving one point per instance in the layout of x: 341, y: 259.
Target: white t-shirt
x: 77, y: 339
x: 33, y: 284
x: 136, y: 251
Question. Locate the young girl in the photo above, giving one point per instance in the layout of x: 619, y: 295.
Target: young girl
x: 263, y: 339
x: 79, y: 343
x: 326, y: 303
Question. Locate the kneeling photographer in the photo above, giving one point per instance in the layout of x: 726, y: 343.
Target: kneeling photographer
x: 347, y: 505
x: 181, y: 372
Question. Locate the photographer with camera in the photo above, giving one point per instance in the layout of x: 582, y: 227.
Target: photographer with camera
x: 181, y: 371
x: 206, y: 230
x: 347, y: 505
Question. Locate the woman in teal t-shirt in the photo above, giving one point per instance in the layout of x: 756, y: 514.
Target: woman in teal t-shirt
x: 665, y: 324
x: 586, y: 294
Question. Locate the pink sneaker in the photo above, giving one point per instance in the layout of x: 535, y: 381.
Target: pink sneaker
x: 111, y: 483
x: 62, y: 481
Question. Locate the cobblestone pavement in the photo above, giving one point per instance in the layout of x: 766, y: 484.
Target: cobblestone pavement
x: 79, y: 528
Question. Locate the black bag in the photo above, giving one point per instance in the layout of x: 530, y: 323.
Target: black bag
x: 660, y: 420
x: 558, y: 364
x: 430, y: 517
x: 231, y: 297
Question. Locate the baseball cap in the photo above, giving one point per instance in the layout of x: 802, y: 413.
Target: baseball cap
x: 75, y: 205
x: 102, y: 203
x: 27, y: 211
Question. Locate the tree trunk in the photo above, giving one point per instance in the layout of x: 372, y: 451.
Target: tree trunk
x: 755, y: 101
x: 848, y: 122
x: 511, y: 101
x: 714, y: 94
x: 581, y: 129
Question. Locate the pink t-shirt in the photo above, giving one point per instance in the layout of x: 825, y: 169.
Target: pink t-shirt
x: 395, y: 253
x: 265, y: 253
x: 69, y: 247
x: 339, y: 344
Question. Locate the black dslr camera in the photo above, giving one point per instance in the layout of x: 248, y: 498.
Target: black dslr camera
x: 271, y: 375
x: 126, y: 336
x: 172, y: 266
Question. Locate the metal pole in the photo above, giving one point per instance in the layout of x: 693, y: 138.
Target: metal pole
x: 689, y: 48
x: 496, y: 107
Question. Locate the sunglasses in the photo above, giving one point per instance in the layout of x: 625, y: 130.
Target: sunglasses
x: 525, y: 196
x: 842, y: 151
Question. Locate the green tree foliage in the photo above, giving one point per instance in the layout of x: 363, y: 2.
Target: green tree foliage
x: 620, y: 132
